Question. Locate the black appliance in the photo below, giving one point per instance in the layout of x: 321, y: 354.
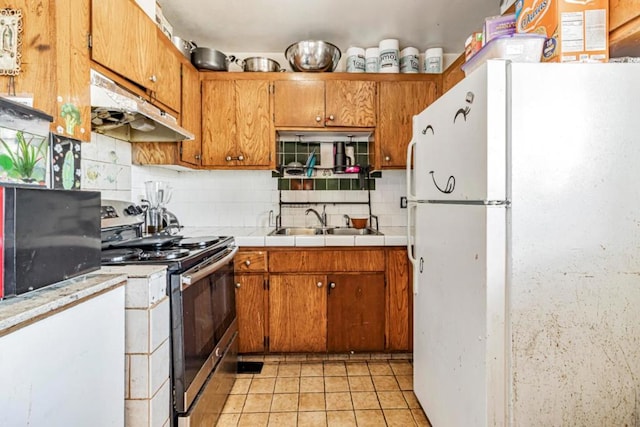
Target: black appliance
x: 47, y: 236
x: 201, y: 286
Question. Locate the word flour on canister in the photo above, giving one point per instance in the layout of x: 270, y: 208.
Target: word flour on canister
x: 576, y: 30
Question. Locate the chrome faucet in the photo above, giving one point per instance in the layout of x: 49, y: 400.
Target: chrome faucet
x: 347, y: 220
x: 322, y: 218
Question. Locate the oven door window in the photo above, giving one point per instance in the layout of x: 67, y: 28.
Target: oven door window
x: 208, y: 308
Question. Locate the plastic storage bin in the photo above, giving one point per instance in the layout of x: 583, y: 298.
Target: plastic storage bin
x: 516, y: 47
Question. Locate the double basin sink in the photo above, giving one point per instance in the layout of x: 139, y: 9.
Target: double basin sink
x: 325, y: 231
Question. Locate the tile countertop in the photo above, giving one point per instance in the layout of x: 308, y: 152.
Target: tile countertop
x: 22, y: 310
x: 257, y: 237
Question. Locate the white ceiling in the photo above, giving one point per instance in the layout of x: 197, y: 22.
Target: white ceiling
x: 271, y: 26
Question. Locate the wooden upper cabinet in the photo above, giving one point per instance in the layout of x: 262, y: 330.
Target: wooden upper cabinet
x: 236, y: 124
x: 297, y: 313
x: 399, y: 101
x: 218, y: 121
x: 298, y: 103
x: 622, y: 11
x: 356, y: 312
x: 167, y: 70
x: 624, y: 28
x: 331, y: 103
x: 191, y: 115
x: 124, y: 40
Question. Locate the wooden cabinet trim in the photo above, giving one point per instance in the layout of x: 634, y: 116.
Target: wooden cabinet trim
x: 326, y: 260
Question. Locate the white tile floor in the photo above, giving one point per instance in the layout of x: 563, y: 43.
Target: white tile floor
x: 376, y: 392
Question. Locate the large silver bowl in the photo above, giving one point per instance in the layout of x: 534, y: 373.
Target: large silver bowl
x: 313, y: 55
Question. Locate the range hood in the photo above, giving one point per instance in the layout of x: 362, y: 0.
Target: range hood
x: 118, y: 113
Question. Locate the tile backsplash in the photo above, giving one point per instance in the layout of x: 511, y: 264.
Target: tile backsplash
x: 241, y: 198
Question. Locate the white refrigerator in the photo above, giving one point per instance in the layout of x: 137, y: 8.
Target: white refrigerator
x: 524, y: 234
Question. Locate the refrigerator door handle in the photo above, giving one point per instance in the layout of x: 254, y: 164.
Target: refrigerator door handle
x: 410, y: 254
x: 412, y: 143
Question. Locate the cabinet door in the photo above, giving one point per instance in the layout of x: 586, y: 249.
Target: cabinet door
x: 218, y: 122
x: 355, y: 312
x: 399, y: 302
x: 167, y: 73
x: 124, y: 40
x: 622, y: 11
x: 298, y: 103
x: 250, y: 309
x: 350, y: 103
x: 255, y: 139
x: 191, y: 115
x: 297, y: 313
x: 399, y: 102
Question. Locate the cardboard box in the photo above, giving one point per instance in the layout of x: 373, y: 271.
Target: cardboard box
x: 576, y: 30
x: 497, y: 26
x: 472, y: 45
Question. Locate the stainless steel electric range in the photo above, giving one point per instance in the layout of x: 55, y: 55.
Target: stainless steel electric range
x: 200, y: 283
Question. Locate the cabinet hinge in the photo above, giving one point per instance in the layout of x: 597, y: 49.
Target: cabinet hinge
x: 265, y: 284
x: 89, y: 41
x: 266, y: 342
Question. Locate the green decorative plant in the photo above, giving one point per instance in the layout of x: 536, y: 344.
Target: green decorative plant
x: 24, y: 160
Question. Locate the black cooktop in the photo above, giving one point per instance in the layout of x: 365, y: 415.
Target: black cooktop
x: 177, y: 252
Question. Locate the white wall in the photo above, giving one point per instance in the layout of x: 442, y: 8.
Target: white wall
x: 230, y: 198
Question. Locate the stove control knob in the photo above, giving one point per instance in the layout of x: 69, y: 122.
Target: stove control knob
x: 133, y: 210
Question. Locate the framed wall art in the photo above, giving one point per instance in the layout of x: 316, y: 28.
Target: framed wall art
x: 10, y: 41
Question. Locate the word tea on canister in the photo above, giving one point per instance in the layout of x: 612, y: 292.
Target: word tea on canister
x: 355, y: 60
x: 409, y: 62
x: 389, y: 52
x: 372, y: 57
x: 433, y: 60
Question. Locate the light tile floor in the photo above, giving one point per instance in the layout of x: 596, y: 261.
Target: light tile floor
x: 375, y: 393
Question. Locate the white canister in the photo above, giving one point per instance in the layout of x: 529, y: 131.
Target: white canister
x: 372, y: 56
x: 355, y: 60
x: 433, y: 60
x: 389, y: 52
x: 409, y: 62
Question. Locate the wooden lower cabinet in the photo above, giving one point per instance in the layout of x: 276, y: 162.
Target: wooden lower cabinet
x: 318, y: 300
x: 297, y: 313
x: 399, y: 306
x: 251, y: 300
x: 356, y: 312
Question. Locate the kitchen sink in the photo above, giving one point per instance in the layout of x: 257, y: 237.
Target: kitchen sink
x: 296, y: 231
x: 348, y: 231
x: 337, y: 231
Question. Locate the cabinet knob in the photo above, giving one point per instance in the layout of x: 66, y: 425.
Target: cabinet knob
x: 238, y: 285
x: 387, y: 158
x: 228, y: 158
x: 332, y: 285
x: 318, y: 119
x: 331, y: 117
x: 319, y: 284
x: 247, y: 263
x: 197, y: 156
x: 241, y: 157
x: 153, y: 79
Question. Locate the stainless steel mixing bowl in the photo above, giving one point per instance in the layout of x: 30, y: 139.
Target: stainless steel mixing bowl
x: 313, y: 55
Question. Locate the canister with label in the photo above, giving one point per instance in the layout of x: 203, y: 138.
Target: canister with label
x: 389, y: 52
x: 409, y: 62
x: 355, y: 60
x: 433, y: 60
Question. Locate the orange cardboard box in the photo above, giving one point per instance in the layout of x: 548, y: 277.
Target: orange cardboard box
x: 576, y: 30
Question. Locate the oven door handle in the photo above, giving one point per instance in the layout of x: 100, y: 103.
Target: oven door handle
x: 187, y: 279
